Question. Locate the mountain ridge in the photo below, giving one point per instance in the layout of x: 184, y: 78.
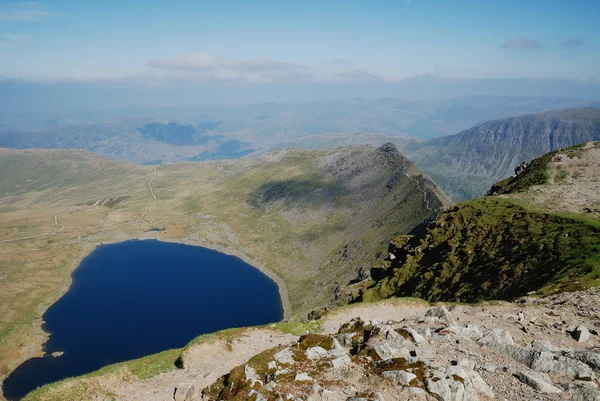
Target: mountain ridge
x: 465, y: 165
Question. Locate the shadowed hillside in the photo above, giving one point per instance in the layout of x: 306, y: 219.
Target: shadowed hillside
x: 502, y: 247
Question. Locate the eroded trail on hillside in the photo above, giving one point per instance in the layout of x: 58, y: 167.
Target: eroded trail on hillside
x: 152, y: 193
x: 60, y: 228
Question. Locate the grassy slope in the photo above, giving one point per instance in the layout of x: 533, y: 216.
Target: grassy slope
x: 298, y: 215
x: 495, y: 248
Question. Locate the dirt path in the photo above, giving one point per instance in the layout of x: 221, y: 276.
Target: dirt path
x: 153, y: 195
x: 41, y: 235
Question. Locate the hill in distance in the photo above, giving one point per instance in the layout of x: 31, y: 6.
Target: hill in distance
x: 150, y: 135
x: 465, y: 165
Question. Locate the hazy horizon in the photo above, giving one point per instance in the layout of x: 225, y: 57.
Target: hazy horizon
x: 65, y: 55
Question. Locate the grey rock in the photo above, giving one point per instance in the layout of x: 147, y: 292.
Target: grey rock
x: 589, y: 358
x: 303, y: 377
x: 543, y: 345
x: 437, y: 311
x: 581, y: 334
x: 496, y: 338
x: 185, y: 392
x: 582, y: 393
x: 545, y: 361
x: 399, y: 377
x: 341, y: 362
x: 337, y: 349
x: 316, y: 353
x: 386, y: 351
x: 345, y: 339
x: 416, y: 337
x: 538, y: 381
x: 285, y: 356
x: 259, y: 396
x: 250, y: 374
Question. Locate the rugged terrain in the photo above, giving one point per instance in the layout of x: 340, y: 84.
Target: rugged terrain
x: 465, y: 165
x: 527, y: 235
x: 542, y: 349
x: 309, y: 219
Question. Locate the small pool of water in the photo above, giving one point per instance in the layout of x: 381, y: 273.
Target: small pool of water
x: 136, y: 298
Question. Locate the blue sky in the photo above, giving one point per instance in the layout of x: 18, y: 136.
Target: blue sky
x: 235, y: 52
x: 310, y: 40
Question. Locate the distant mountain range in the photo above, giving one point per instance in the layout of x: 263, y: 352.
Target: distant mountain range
x: 465, y: 165
x: 151, y: 135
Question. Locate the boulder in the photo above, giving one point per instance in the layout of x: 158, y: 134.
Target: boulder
x: 250, y: 374
x: 184, y: 392
x: 285, y: 356
x: 345, y: 339
x: 581, y: 334
x: 386, y: 351
x: 589, y: 358
x: 496, y: 338
x: 399, y: 377
x: 543, y: 345
x: 538, y: 381
x: 341, y: 362
x: 437, y: 311
x: 316, y: 353
x: 416, y: 337
x: 303, y: 377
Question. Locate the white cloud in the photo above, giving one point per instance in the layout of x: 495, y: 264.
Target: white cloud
x: 191, y: 62
x: 207, y: 66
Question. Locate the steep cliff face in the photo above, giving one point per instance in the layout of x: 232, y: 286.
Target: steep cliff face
x: 541, y: 234
x: 465, y: 165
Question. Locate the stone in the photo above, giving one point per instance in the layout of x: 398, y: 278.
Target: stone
x: 496, y: 338
x: 185, y: 392
x: 272, y: 365
x: 538, y: 381
x: 416, y: 337
x: 285, y: 356
x: 345, y: 339
x: 250, y: 374
x: 316, y: 353
x: 386, y: 351
x: 437, y: 311
x: 399, y: 377
x: 543, y: 345
x: 341, y: 362
x: 303, y: 377
x: 583, y: 393
x: 337, y: 349
x: 259, y: 396
x: 589, y: 358
x: 545, y: 361
x: 581, y: 334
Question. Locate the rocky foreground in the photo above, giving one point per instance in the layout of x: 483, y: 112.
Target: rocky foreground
x: 397, y: 349
x: 528, y: 350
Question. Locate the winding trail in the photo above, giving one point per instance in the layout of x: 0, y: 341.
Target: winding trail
x: 153, y: 195
x: 65, y: 211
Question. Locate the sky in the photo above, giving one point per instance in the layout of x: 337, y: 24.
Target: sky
x: 310, y: 44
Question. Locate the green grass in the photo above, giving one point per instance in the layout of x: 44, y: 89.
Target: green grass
x: 492, y: 248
